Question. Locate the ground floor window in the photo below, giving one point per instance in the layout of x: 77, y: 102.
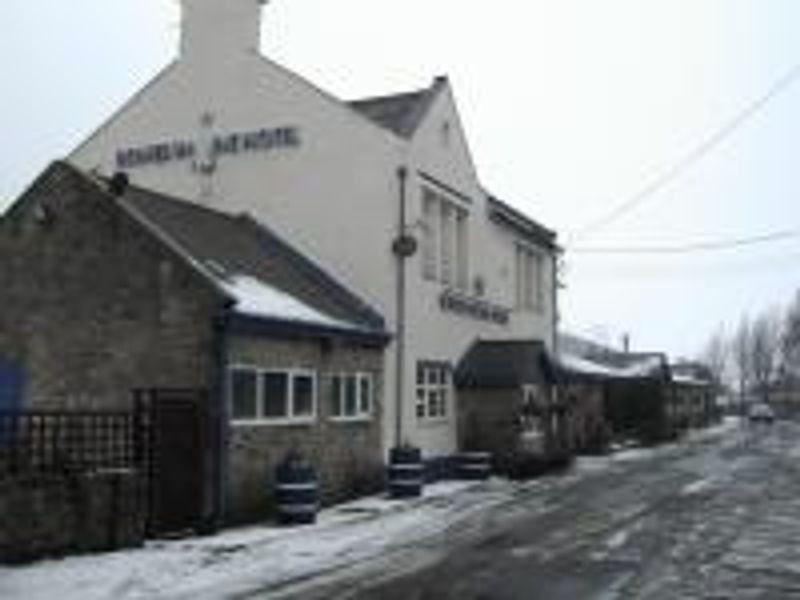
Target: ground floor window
x: 433, y: 390
x: 352, y: 395
x: 272, y: 395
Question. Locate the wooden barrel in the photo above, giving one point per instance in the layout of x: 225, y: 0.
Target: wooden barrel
x: 405, y: 472
x: 474, y: 465
x: 296, y: 492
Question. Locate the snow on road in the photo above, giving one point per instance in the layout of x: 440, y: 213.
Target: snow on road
x: 242, y: 560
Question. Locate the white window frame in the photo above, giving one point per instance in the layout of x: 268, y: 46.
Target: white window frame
x: 432, y: 398
x: 360, y: 414
x: 445, y: 240
x: 290, y: 418
x: 529, y: 266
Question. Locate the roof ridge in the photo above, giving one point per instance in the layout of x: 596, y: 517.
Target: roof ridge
x: 402, y: 121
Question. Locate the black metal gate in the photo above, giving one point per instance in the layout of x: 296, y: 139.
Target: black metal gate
x: 177, y: 449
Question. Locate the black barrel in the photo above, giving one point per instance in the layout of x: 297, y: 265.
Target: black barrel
x: 296, y: 492
x: 474, y: 465
x: 405, y: 472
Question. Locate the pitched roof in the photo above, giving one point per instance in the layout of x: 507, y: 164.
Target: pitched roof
x: 506, y: 214
x: 504, y: 364
x: 581, y: 359
x: 399, y: 113
x: 263, y: 275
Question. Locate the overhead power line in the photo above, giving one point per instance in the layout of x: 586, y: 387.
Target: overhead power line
x: 695, y: 155
x: 704, y: 246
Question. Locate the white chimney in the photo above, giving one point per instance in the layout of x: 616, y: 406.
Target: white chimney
x: 220, y: 29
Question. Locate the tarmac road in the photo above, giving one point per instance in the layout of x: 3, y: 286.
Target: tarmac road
x: 713, y: 519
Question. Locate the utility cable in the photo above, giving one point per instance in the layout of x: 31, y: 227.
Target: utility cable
x: 695, y: 155
x: 706, y: 246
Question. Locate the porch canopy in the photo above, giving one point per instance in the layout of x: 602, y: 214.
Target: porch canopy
x: 505, y: 364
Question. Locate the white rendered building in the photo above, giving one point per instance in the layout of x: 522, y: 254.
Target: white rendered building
x: 226, y: 127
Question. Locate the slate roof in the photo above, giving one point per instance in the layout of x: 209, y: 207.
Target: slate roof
x: 504, y: 364
x: 584, y: 360
x: 224, y: 245
x: 506, y: 214
x: 399, y: 113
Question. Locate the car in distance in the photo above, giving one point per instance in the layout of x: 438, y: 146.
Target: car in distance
x: 761, y: 413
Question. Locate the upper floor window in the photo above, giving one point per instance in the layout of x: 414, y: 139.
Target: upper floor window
x: 352, y: 396
x: 529, y: 279
x: 268, y: 395
x: 444, y: 240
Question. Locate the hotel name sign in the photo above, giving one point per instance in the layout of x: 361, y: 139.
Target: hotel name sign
x: 231, y: 144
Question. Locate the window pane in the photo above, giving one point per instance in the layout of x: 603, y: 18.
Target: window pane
x: 447, y: 243
x: 350, y: 400
x: 433, y: 403
x: 275, y: 395
x: 303, y: 396
x: 462, y: 252
x: 243, y: 394
x: 365, y: 394
x: 420, y: 403
x: 538, y: 281
x: 433, y: 375
x: 430, y: 231
x: 336, y: 396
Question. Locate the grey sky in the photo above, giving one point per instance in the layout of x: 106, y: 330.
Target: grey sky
x: 571, y: 106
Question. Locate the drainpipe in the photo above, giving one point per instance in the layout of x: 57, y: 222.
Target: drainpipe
x: 403, y: 247
x: 220, y: 417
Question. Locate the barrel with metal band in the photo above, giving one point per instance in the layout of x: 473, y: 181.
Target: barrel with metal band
x: 296, y: 491
x: 474, y: 465
x: 405, y: 472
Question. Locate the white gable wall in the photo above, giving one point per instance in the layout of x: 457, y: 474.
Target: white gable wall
x: 334, y: 196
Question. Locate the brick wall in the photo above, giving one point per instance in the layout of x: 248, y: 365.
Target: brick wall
x: 92, y: 305
x: 347, y: 455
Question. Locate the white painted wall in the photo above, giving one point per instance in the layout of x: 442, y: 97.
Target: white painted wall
x: 335, y: 196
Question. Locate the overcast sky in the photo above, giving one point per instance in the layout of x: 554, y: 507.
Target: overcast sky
x: 572, y: 107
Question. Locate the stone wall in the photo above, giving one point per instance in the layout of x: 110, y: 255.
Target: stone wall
x: 347, y: 454
x: 52, y: 515
x: 92, y: 305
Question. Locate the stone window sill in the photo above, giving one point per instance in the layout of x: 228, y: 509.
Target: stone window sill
x: 285, y: 422
x: 433, y: 421
x: 356, y: 419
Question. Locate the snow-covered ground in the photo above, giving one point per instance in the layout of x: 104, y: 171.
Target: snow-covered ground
x: 262, y: 557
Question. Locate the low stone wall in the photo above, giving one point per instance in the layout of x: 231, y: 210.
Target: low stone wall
x: 52, y: 515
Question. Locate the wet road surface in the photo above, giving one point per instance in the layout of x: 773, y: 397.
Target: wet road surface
x: 713, y: 519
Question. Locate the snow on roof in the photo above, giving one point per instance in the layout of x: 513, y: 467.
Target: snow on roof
x: 586, y: 366
x: 255, y: 298
x: 642, y: 367
x: 686, y: 379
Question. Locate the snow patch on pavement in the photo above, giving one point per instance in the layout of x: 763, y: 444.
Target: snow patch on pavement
x: 699, y: 486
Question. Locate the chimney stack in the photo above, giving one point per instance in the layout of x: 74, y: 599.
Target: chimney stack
x: 213, y: 30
